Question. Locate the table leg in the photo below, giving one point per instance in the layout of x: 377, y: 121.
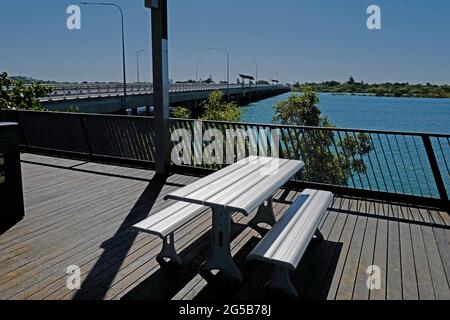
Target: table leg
x: 220, y: 258
x: 281, y: 281
x: 265, y: 215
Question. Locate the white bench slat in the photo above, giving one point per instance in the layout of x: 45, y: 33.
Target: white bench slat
x: 241, y: 187
x: 213, y: 178
x: 228, y: 184
x: 244, y: 186
x: 167, y: 221
x: 288, y: 240
x: 249, y: 201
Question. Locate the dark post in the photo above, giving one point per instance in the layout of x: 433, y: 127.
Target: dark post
x: 436, y: 171
x: 11, y: 188
x: 160, y: 83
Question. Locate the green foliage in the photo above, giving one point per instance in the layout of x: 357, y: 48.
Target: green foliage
x: 330, y: 158
x: 216, y: 109
x: 181, y: 113
x: 383, y: 89
x: 299, y: 110
x: 73, y: 109
x: 15, y: 95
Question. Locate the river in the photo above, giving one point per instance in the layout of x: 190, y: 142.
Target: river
x: 368, y: 112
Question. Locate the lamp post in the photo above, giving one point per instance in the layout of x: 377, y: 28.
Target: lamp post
x: 228, y: 68
x: 137, y: 64
x: 123, y: 46
x: 160, y: 50
x: 269, y: 73
x: 196, y: 69
x: 256, y: 77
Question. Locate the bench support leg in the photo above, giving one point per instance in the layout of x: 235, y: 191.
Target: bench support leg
x: 168, y: 254
x: 265, y: 215
x: 319, y: 235
x: 281, y: 281
x: 220, y: 258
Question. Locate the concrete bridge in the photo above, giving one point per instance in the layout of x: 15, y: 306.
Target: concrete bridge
x: 108, y: 98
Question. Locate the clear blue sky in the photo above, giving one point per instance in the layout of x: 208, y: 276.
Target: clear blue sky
x: 302, y: 40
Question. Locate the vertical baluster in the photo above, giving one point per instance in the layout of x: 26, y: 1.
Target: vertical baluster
x: 422, y: 167
x: 395, y: 164
x: 435, y: 168
x: 414, y: 166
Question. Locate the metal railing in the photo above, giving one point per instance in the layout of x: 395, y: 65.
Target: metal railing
x: 398, y: 166
x: 73, y: 91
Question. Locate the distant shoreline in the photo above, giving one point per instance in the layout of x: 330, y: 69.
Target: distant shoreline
x: 363, y: 94
x: 393, y: 90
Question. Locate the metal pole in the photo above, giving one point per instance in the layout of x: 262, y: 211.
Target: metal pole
x: 196, y: 70
x: 440, y: 185
x: 228, y: 69
x: 123, y: 46
x: 123, y: 63
x: 256, y: 75
x: 160, y: 84
x: 228, y: 75
x: 137, y: 64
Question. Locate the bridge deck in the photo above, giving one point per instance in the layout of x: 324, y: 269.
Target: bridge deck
x: 80, y: 214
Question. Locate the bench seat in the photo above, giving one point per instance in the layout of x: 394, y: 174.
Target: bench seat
x: 164, y: 224
x: 285, y: 245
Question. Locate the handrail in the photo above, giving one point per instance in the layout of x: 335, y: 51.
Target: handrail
x: 66, y: 91
x: 402, y: 166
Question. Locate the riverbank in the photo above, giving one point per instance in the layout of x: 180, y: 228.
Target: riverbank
x: 395, y: 90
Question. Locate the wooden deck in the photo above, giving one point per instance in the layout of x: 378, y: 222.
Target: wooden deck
x: 80, y: 214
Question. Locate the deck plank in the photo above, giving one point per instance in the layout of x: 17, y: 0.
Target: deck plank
x: 80, y: 213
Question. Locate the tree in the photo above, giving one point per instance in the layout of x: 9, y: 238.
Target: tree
x: 351, y: 80
x: 181, y: 113
x: 216, y: 109
x: 15, y: 95
x: 329, y: 158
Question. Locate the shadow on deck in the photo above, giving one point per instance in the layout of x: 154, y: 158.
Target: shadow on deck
x: 80, y: 214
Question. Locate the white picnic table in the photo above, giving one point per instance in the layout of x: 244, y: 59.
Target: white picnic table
x: 242, y: 187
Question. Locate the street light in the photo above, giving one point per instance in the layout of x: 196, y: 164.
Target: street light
x: 255, y: 63
x: 137, y: 63
x: 123, y: 46
x: 196, y: 70
x: 269, y: 71
x: 228, y: 68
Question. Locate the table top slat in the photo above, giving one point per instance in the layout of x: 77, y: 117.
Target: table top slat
x: 241, y: 187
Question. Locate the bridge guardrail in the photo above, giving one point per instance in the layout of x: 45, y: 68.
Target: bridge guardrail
x: 72, y: 91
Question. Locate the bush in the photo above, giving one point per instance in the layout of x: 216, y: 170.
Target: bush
x: 14, y: 94
x: 326, y: 160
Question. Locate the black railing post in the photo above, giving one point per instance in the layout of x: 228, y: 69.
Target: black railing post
x: 86, y: 137
x: 435, y: 168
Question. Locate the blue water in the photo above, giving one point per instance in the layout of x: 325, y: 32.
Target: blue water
x: 397, y: 169
x: 368, y: 112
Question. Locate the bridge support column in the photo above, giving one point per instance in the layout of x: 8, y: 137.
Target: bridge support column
x: 160, y: 84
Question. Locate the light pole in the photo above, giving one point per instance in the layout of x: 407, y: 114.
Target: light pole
x: 228, y: 68
x: 137, y: 63
x: 196, y: 69
x: 256, y: 77
x: 269, y: 72
x: 123, y: 46
x: 160, y: 56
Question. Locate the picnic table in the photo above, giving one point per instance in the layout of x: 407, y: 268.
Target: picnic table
x: 242, y: 187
